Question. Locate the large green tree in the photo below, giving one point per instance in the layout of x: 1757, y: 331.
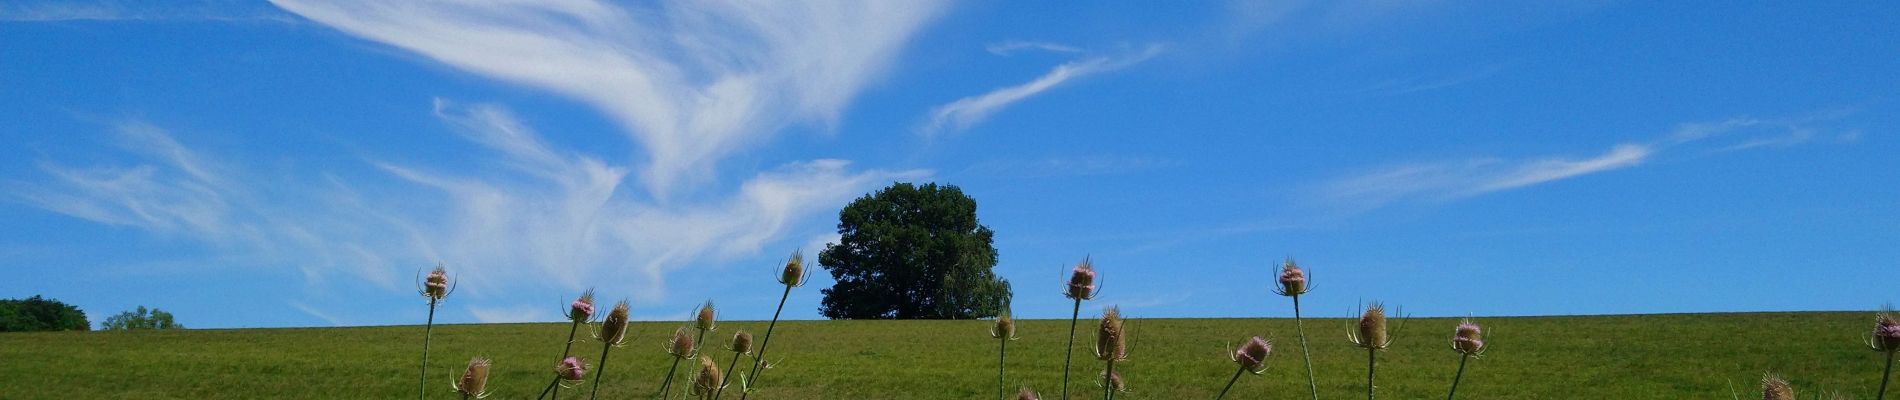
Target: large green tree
x: 912, y: 252
x: 142, y: 319
x: 40, y: 314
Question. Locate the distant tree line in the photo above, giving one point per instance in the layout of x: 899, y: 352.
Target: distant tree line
x: 142, y: 319
x: 36, y: 314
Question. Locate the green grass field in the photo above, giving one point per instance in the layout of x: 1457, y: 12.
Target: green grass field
x: 1614, y: 357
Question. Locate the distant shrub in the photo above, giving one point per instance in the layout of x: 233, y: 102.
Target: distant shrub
x: 142, y: 319
x: 35, y: 314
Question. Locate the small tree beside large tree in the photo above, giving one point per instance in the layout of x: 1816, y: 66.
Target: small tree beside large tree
x: 912, y: 252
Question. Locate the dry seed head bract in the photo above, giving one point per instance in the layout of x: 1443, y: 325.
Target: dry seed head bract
x: 1292, y: 279
x: 741, y: 343
x: 1026, y: 394
x: 707, y: 380
x: 794, y: 273
x: 1371, y: 332
x: 707, y: 318
x: 613, y: 329
x: 474, y: 380
x: 682, y: 345
x: 1082, y: 282
x: 1774, y: 388
x: 1111, y: 337
x: 1005, y: 328
x: 1115, y: 382
x: 1252, y: 355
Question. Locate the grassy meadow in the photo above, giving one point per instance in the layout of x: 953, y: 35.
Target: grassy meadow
x: 1592, y: 357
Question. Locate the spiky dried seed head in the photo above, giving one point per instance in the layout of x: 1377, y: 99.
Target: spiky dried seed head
x: 1081, y: 281
x: 1886, y: 334
x: 794, y: 272
x: 1115, y: 382
x: 474, y: 381
x: 1469, y: 338
x: 1111, y: 338
x: 1774, y: 388
x: 1253, y: 354
x: 1005, y: 327
x: 741, y: 343
x: 1292, y: 279
x: 682, y: 344
x: 571, y: 368
x: 436, y: 285
x: 1026, y: 394
x: 582, y: 308
x: 707, y: 318
x: 613, y: 329
x: 708, y: 380
x: 1372, y: 334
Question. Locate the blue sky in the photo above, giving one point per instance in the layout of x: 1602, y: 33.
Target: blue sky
x: 296, y: 163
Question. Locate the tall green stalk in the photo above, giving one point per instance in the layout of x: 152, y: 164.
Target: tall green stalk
x: 1073, y: 317
x: 729, y: 367
x: 1372, y: 357
x: 1001, y: 350
x: 601, y: 369
x: 759, y: 364
x: 1300, y: 327
x: 1230, y: 382
x: 1884, y: 375
x: 422, y: 391
x: 1461, y: 374
x: 1108, y: 381
x: 565, y: 351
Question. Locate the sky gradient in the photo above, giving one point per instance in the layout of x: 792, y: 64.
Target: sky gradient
x: 299, y: 162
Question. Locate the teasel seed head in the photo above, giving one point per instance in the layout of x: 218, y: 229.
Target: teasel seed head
x: 436, y: 286
x: 1082, y: 284
x: 474, y: 381
x: 682, y: 345
x: 613, y: 329
x: 707, y: 318
x: 1253, y: 355
x: 1005, y: 327
x: 1774, y: 388
x: 582, y: 309
x: 1372, y: 333
x: 708, y: 381
x: 741, y: 343
x: 1292, y: 279
x: 571, y: 369
x: 1886, y: 335
x: 1111, y: 339
x: 1026, y: 394
x: 794, y: 273
x: 1115, y: 382
x: 1468, y: 339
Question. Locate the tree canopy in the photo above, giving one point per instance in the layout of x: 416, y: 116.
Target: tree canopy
x: 142, y: 319
x: 912, y: 252
x: 39, y: 314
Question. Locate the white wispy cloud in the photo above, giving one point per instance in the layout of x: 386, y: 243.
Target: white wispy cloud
x: 1008, y: 47
x: 112, y: 10
x: 318, y: 314
x: 690, y: 81
x: 1456, y: 179
x: 965, y: 112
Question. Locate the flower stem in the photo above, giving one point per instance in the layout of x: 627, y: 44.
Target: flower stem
x: 729, y: 367
x: 551, y: 385
x: 428, y: 329
x: 1230, y: 382
x: 1461, y: 374
x: 1073, y: 315
x: 569, y: 349
x: 670, y: 371
x: 1372, y: 357
x: 1884, y: 374
x: 600, y: 369
x: 1108, y: 381
x: 759, y: 363
x: 1312, y: 385
x: 1001, y: 350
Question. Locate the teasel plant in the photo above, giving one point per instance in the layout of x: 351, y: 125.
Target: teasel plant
x: 1112, y: 382
x: 1886, y: 340
x: 435, y: 287
x: 1775, y: 388
x: 708, y: 381
x: 741, y: 345
x: 611, y: 333
x: 1293, y: 283
x: 1372, y: 336
x: 579, y: 312
x: 1082, y: 286
x: 705, y: 319
x: 1251, y: 357
x: 1026, y: 394
x: 682, y: 347
x: 792, y: 276
x: 1004, y: 332
x: 1111, y: 345
x: 1468, y: 341
x: 570, y: 371
x: 474, y: 382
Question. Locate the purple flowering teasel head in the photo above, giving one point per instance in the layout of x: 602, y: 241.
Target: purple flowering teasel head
x: 571, y: 369
x: 437, y: 285
x: 474, y: 382
x: 1886, y: 334
x: 582, y: 309
x: 1292, y: 280
x: 1468, y: 339
x: 1082, y: 282
x: 1253, y: 355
